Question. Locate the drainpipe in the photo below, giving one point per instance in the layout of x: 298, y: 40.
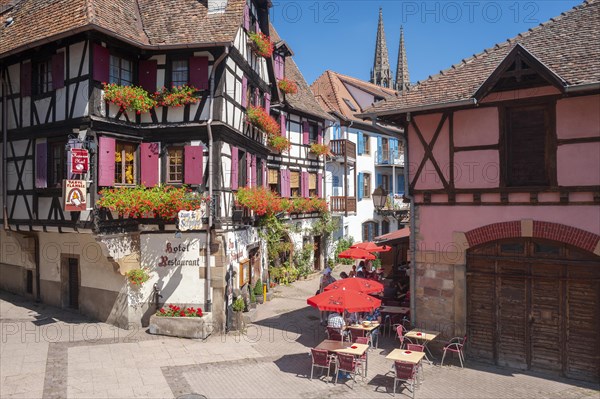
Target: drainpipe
x: 4, y: 150
x: 208, y: 294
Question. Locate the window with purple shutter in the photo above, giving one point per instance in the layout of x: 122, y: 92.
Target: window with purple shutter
x: 106, y: 161
x: 101, y: 63
x: 246, y: 17
x: 278, y: 64
x: 26, y: 79
x: 257, y: 97
x: 253, y: 180
x: 58, y: 71
x: 244, y: 91
x: 41, y: 165
x: 199, y: 72
x: 193, y: 164
x: 234, y: 168
x: 305, y: 191
x: 267, y: 102
x: 320, y: 135
x: 265, y: 178
x: 282, y: 122
x: 320, y: 185
x: 149, y: 160
x: 147, y: 75
x: 305, y: 132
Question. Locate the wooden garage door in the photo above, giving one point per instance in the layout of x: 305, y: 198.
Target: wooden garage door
x: 534, y: 304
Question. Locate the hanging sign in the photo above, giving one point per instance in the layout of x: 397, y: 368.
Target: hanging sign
x: 191, y: 220
x: 79, y: 160
x: 74, y: 194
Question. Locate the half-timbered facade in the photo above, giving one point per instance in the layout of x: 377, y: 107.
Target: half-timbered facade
x: 504, y: 155
x: 56, y: 59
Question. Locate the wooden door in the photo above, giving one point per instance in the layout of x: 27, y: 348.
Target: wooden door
x: 73, y: 265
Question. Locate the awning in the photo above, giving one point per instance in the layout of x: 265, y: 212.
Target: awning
x: 393, y: 236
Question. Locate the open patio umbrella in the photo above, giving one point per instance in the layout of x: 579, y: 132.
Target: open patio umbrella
x: 356, y: 253
x: 356, y: 284
x: 372, y: 247
x: 343, y: 299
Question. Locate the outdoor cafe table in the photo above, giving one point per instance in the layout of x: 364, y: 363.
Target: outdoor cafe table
x: 394, y: 309
x: 424, y: 336
x: 367, y: 329
x: 335, y: 346
x: 413, y: 357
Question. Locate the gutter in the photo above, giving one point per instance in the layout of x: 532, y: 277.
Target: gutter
x: 4, y: 150
x: 583, y: 87
x: 207, y: 291
x: 428, y: 107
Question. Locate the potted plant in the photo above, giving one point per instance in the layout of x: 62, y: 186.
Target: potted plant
x: 320, y: 149
x: 287, y: 86
x: 137, y: 277
x: 258, y: 291
x: 176, y: 96
x: 262, y: 44
x: 184, y: 321
x: 238, y: 307
x: 129, y: 98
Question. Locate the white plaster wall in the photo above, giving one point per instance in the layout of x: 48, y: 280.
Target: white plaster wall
x: 16, y: 249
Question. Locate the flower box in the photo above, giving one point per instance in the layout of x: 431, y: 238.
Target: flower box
x: 262, y: 44
x: 287, y: 86
x: 183, y: 327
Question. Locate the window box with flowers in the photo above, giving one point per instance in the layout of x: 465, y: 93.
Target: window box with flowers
x: 176, y: 96
x: 262, y: 44
x: 128, y: 98
x: 287, y: 86
x: 260, y: 118
x: 320, y: 149
x: 279, y: 143
x: 264, y: 202
x: 181, y: 321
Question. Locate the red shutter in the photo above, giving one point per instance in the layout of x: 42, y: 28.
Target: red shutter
x: 26, y: 79
x: 193, y: 164
x: 254, y: 171
x: 101, y: 63
x: 320, y: 135
x: 41, y: 165
x: 246, y: 17
x: 149, y: 160
x: 305, y: 129
x: 244, y: 91
x: 106, y: 161
x: 267, y: 102
x: 264, y: 173
x: 320, y: 185
x: 234, y: 168
x: 199, y: 72
x: 58, y: 71
x: 147, y: 75
x: 282, y: 121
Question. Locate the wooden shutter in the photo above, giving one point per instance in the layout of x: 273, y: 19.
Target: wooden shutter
x: 361, y: 143
x: 58, y: 71
x: 400, y: 184
x: 320, y: 135
x: 199, y: 72
x: 359, y: 186
x: 282, y: 122
x: 256, y: 97
x: 253, y: 171
x: 267, y: 102
x: 378, y: 180
x: 26, y: 79
x: 149, y: 163
x: 106, y: 161
x: 248, y: 169
x: 193, y: 164
x: 101, y: 63
x: 285, y: 183
x: 278, y: 61
x: 263, y: 165
x: 380, y: 155
x: 41, y: 165
x: 305, y: 132
x: 246, y: 17
x: 147, y: 75
x: 234, y: 168
x: 244, y: 91
x: 320, y: 185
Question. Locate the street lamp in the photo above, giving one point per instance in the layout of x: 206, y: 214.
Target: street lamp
x: 379, y: 198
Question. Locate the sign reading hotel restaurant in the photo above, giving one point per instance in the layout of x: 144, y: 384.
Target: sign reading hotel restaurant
x: 74, y: 193
x: 191, y: 220
x: 79, y: 161
x: 165, y: 251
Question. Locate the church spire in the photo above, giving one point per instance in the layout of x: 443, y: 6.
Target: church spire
x: 402, y: 78
x: 381, y: 74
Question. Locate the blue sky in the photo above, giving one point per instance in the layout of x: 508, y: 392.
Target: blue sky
x: 340, y: 35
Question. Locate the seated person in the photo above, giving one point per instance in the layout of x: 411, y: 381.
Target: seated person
x: 390, y: 290
x: 336, y: 320
x: 352, y: 318
x: 353, y: 271
x: 360, y: 274
x: 343, y: 275
x: 374, y: 316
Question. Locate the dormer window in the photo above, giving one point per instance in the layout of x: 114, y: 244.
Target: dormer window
x: 350, y: 105
x: 120, y: 71
x: 42, y: 77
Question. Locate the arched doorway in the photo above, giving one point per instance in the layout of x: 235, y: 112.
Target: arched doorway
x: 535, y: 304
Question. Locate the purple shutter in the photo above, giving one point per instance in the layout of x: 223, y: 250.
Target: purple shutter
x: 234, y: 168
x: 282, y: 122
x: 106, y: 161
x: 263, y: 165
x: 101, y: 63
x: 267, y: 102
x: 282, y: 183
x: 256, y: 26
x: 41, y: 165
x: 320, y: 185
x: 26, y: 79
x: 244, y: 91
x: 305, y: 129
x: 248, y: 169
x: 193, y: 163
x: 254, y: 171
x: 277, y: 60
x: 147, y: 75
x: 320, y: 135
x: 199, y: 72
x: 246, y: 17
x: 149, y: 160
x: 58, y: 71
x: 256, y: 97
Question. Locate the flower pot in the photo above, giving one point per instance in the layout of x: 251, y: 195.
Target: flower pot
x: 184, y: 327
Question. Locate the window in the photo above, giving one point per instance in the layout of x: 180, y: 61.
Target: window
x: 366, y: 185
x: 57, y: 167
x: 367, y: 145
x: 350, y: 105
x: 527, y: 146
x: 125, y: 163
x: 385, y: 227
x: 369, y: 231
x: 42, y: 77
x: 242, y: 168
x: 312, y: 184
x: 385, y: 183
x: 273, y: 180
x: 175, y: 165
x: 295, y: 184
x: 120, y: 71
x: 259, y: 175
x: 313, y: 133
x: 179, y: 73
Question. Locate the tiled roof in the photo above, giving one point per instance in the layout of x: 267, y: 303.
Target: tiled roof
x: 567, y: 45
x: 145, y: 22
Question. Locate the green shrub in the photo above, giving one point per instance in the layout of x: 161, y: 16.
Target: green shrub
x: 343, y: 244
x: 239, y: 305
x: 258, y: 288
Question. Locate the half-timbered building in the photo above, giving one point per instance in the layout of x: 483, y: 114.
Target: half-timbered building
x: 56, y: 58
x: 504, y: 158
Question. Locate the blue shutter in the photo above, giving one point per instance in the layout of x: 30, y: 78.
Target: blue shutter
x: 380, y: 156
x: 400, y: 185
x: 379, y: 180
x: 361, y: 143
x: 359, y: 188
x: 393, y: 149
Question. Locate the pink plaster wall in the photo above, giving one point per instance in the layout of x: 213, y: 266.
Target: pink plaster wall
x: 520, y: 94
x: 476, y: 127
x: 578, y: 164
x: 477, y: 169
x: 578, y: 117
x: 436, y: 223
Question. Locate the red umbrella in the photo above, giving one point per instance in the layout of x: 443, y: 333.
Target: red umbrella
x: 356, y: 284
x: 356, y: 253
x: 343, y: 299
x: 372, y: 247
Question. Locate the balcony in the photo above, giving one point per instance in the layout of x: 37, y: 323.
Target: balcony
x: 343, y: 149
x: 389, y: 158
x: 342, y: 204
